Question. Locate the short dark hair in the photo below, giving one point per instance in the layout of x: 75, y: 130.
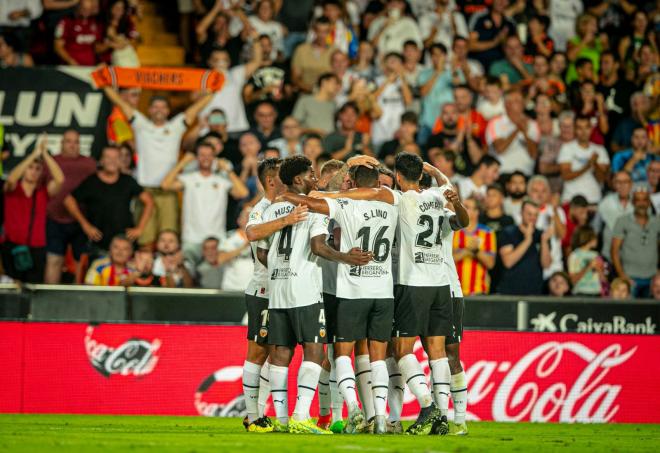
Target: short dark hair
x: 426, y: 181
x: 409, y: 117
x: 581, y: 117
x: 542, y: 19
x: 528, y: 201
x: 312, y: 136
x: 582, y: 61
x: 203, y: 144
x: 458, y: 38
x: 393, y: 54
x: 497, y: 187
x: 349, y: 105
x: 322, y: 20
x: 517, y: 173
x: 437, y: 45
x: 488, y: 161
x: 159, y: 97
x: 121, y: 237
x: 410, y: 42
x: 493, y: 80
x: 364, y: 176
x: 266, y: 168
x: 579, y: 201
x: 211, y: 238
x: 293, y: 166
x: 324, y: 77
x: 410, y: 166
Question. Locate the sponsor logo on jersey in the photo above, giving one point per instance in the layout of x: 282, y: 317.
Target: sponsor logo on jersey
x: 428, y: 258
x: 367, y: 271
x: 282, y: 274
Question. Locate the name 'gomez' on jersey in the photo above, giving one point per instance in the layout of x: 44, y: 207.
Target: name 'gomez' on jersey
x: 295, y: 274
x: 369, y: 225
x: 419, y: 237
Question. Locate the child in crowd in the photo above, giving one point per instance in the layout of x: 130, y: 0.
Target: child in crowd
x: 585, y: 266
x: 620, y: 289
x: 559, y: 284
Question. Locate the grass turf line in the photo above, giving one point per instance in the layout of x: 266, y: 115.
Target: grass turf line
x: 73, y: 433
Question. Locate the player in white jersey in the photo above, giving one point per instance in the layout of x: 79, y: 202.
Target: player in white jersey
x: 295, y: 308
x: 256, y: 388
x: 364, y: 293
x: 422, y: 295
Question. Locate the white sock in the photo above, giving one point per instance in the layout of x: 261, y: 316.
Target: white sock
x: 264, y: 388
x: 458, y: 388
x: 395, y: 390
x: 279, y: 376
x: 324, y: 392
x: 308, y: 380
x: 346, y: 379
x: 337, y: 401
x: 364, y: 383
x: 379, y: 381
x: 415, y: 379
x: 441, y: 377
x: 251, y: 389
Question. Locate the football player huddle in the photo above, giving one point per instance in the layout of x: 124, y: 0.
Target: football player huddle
x: 346, y: 265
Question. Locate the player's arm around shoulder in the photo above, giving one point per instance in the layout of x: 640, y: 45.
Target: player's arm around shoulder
x: 313, y: 204
x: 258, y: 228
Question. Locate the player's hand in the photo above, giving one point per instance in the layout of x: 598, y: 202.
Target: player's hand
x: 452, y: 196
x: 299, y: 214
x: 358, y: 257
x: 367, y: 161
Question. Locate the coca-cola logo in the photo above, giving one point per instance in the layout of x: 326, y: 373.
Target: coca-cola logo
x: 135, y: 356
x: 206, y: 406
x: 572, y: 322
x: 555, y: 381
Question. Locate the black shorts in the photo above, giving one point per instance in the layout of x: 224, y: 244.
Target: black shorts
x: 291, y: 326
x: 60, y: 235
x: 424, y: 311
x: 458, y: 307
x: 257, y: 313
x: 330, y: 305
x: 358, y: 319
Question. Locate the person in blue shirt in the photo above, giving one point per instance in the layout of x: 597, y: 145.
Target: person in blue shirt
x: 636, y: 159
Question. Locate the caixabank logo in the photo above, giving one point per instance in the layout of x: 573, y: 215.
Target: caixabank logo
x: 133, y: 357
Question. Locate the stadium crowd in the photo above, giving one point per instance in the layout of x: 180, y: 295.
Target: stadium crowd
x: 545, y: 114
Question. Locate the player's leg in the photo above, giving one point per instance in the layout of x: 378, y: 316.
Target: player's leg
x: 411, y: 307
x: 282, y: 339
x: 395, y: 389
x: 363, y: 379
x: 379, y: 330
x: 324, y: 394
x: 458, y: 383
x: 336, y: 401
x: 257, y: 353
x: 308, y: 379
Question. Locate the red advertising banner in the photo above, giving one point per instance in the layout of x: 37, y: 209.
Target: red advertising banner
x: 196, y: 370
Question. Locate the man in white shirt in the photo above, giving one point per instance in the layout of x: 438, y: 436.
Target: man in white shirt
x: 486, y: 173
x: 614, y: 205
x: 157, y: 144
x: 296, y: 313
x: 514, y: 137
x: 583, y: 165
x: 204, y: 197
x: 442, y: 25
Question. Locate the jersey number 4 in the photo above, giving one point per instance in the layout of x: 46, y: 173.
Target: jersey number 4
x: 380, y: 247
x: 284, y: 247
x: 427, y: 221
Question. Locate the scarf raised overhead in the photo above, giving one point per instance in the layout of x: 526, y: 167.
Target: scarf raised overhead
x: 170, y: 79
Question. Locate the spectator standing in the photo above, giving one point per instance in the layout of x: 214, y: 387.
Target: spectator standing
x: 263, y: 23
x: 516, y: 189
x: 214, y: 32
x: 312, y: 59
x: 635, y: 244
x: 390, y: 31
x: 489, y: 31
x: 157, y: 144
x: 118, y: 128
x: 204, y: 197
x: 525, y: 252
x: 616, y: 91
x: 106, y: 198
x: 393, y: 96
x: 614, y: 205
x: 312, y: 148
x: 563, y: 15
x: 512, y: 68
x: 435, y: 88
x: 116, y: 270
x: 514, y: 137
x: 265, y: 127
x: 15, y: 18
x: 585, y: 266
x: 236, y: 247
x: 442, y: 25
x: 486, y: 173
x: 583, y: 164
x: 25, y: 206
x: 586, y: 44
x: 493, y: 215
x: 549, y: 147
x: 79, y: 39
x: 290, y: 142
x: 635, y: 160
x: 475, y: 248
x: 121, y: 36
x: 444, y: 160
x: 62, y: 229
x: 340, y: 67
x: 472, y: 70
x: 491, y: 101
x: 316, y: 113
x: 346, y: 141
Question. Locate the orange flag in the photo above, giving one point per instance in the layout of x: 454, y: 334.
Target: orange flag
x: 170, y: 79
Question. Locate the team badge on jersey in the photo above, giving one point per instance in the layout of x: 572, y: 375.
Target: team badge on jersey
x: 322, y: 332
x: 263, y: 332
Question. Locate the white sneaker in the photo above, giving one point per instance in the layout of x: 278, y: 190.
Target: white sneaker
x: 355, y: 419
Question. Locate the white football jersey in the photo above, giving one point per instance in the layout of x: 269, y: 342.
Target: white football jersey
x: 448, y: 238
x: 419, y: 237
x: 295, y: 278
x: 258, y: 285
x: 368, y: 225
x: 329, y: 267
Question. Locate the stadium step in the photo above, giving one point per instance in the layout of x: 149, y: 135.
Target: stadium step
x: 161, y: 55
x: 158, y: 47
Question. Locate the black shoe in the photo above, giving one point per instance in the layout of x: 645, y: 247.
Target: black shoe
x: 428, y: 416
x: 440, y: 427
x: 246, y: 423
x: 263, y: 421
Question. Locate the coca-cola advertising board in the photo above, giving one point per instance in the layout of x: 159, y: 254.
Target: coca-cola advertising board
x: 196, y: 370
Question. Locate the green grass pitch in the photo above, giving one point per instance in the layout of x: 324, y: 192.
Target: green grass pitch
x: 73, y: 433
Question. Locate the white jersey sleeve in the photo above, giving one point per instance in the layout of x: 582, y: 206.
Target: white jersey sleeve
x: 258, y: 285
x: 448, y: 238
x: 368, y: 225
x: 329, y: 267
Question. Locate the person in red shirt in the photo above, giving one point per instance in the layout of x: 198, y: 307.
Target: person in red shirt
x: 468, y: 118
x: 26, y: 196
x: 62, y: 229
x: 79, y: 39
